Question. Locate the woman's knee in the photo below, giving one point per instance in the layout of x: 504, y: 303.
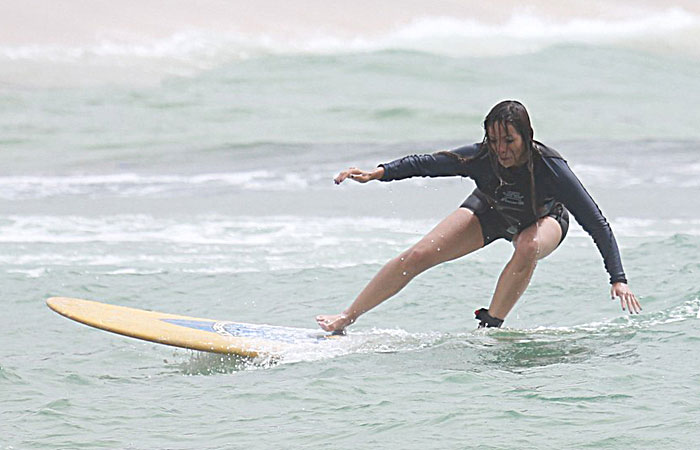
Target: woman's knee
x: 526, y: 253
x: 417, y: 259
x: 539, y: 240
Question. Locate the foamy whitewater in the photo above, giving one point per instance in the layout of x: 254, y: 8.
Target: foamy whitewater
x: 178, y: 156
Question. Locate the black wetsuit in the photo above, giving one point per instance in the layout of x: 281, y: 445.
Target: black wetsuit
x: 504, y: 209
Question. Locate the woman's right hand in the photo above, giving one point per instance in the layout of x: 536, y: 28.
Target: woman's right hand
x: 358, y: 175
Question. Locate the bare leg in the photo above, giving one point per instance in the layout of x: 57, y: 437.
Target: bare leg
x: 457, y: 235
x: 531, y: 245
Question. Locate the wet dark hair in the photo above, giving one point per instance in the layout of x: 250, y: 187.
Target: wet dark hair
x: 508, y: 112
x: 514, y: 113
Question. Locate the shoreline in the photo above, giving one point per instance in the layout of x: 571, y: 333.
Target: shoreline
x: 73, y: 22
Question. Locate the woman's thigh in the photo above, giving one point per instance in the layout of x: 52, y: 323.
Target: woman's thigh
x: 457, y: 235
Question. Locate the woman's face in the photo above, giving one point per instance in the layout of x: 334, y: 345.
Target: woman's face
x: 507, y: 144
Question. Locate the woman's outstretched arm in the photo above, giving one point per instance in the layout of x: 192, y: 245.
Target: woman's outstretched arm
x: 586, y: 211
x: 361, y: 176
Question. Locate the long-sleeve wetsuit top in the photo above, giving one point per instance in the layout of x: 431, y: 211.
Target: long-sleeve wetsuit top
x: 510, y: 194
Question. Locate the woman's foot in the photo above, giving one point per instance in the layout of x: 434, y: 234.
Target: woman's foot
x: 333, y: 322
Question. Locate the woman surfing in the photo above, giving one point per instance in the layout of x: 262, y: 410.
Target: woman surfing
x: 524, y: 192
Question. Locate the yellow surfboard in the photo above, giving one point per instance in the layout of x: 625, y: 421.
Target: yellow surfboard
x: 188, y: 332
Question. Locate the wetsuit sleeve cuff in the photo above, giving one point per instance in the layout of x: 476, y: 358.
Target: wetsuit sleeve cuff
x: 618, y: 279
x: 384, y: 177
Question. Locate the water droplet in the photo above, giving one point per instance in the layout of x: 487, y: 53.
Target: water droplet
x: 438, y: 248
x: 402, y: 258
x: 404, y: 274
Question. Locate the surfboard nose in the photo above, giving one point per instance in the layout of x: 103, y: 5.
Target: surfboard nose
x: 56, y: 303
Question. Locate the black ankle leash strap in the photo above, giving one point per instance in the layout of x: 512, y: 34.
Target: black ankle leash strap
x: 486, y: 320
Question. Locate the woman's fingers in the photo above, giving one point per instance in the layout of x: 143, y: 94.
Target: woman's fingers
x: 635, y: 303
x: 629, y: 302
x: 341, y: 176
x: 354, y: 174
x: 632, y: 305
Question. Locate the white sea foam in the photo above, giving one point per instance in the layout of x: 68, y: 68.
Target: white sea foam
x: 30, y: 273
x: 242, y: 232
x: 365, y: 341
x: 397, y: 340
x: 681, y: 312
x: 523, y: 32
x: 278, y: 234
x: 192, y: 48
x: 209, y: 245
x: 604, y: 175
x: 135, y: 185
x: 135, y: 271
x: 205, y: 245
x: 638, y: 227
x: 635, y: 227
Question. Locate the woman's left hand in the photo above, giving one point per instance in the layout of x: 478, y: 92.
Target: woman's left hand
x: 627, y: 298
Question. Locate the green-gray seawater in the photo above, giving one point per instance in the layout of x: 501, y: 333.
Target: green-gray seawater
x: 209, y: 193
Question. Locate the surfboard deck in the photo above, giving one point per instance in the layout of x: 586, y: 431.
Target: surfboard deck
x: 193, y: 333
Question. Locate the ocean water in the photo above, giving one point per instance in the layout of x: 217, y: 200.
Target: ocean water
x: 181, y: 159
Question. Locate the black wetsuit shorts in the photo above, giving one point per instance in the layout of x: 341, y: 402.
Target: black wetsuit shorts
x: 494, y: 226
